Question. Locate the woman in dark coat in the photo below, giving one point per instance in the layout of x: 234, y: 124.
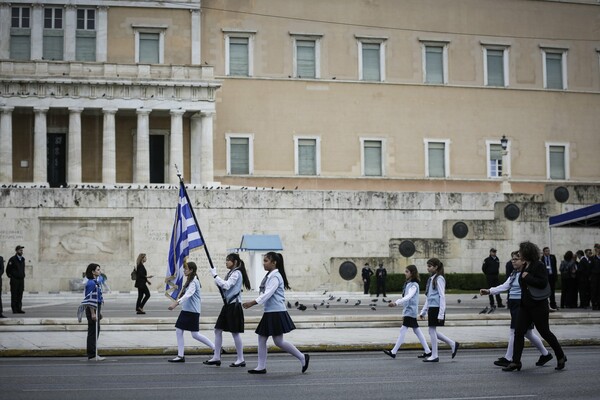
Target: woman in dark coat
x: 141, y: 283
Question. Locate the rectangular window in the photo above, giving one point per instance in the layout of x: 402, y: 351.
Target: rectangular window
x: 372, y: 158
x: 53, y: 18
x: 307, y: 156
x: 239, y: 157
x: 149, y: 48
x: 557, y: 162
x: 20, y: 33
x: 434, y: 64
x: 306, y: 59
x: 496, y: 66
x: 20, y: 17
x: 554, y: 69
x: 436, y: 159
x: 238, y: 56
x: 495, y: 160
x: 371, y: 66
x: 86, y: 19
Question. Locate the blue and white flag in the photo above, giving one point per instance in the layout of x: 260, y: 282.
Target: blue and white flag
x: 186, y: 236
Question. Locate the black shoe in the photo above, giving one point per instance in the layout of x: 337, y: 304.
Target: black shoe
x: 543, y: 360
x: 512, y: 366
x: 456, y: 346
x: 209, y: 362
x: 425, y: 355
x: 389, y: 353
x: 306, y: 361
x: 502, y: 362
x: 561, y: 363
x: 257, y: 371
x: 437, y: 359
x: 140, y: 312
x: 234, y: 365
x: 19, y: 312
x: 178, y: 360
x: 501, y: 306
x: 2, y: 316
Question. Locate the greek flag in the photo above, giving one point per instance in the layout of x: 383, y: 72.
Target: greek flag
x: 186, y: 236
x: 90, y: 300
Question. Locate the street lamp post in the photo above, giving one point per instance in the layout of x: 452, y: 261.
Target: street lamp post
x: 506, y: 188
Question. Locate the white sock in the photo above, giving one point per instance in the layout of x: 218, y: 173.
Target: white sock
x: 536, y: 341
x: 434, y: 343
x: 421, y: 338
x: 262, y: 352
x: 180, y: 342
x: 511, y: 345
x: 400, y: 340
x: 218, y: 344
x: 446, y: 340
x: 288, y: 347
x: 239, y: 347
x: 203, y: 339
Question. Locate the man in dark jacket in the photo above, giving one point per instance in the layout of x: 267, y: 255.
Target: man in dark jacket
x: 584, y: 270
x: 549, y: 260
x: 381, y: 275
x: 1, y: 273
x: 491, y: 269
x: 367, y: 272
x: 15, y: 270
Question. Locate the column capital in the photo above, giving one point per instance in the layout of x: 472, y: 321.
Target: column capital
x: 110, y: 110
x: 40, y: 109
x: 207, y: 113
x: 6, y: 109
x: 143, y: 111
x: 70, y: 7
x: 177, y: 112
x: 74, y: 110
x: 5, y: 5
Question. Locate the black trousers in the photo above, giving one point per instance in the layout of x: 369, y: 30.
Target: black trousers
x: 381, y: 287
x: 1, y: 310
x: 536, y: 313
x: 552, y: 282
x: 595, y: 291
x: 493, y: 281
x: 92, y: 335
x: 17, y: 286
x: 366, y: 284
x: 143, y: 296
x: 583, y: 285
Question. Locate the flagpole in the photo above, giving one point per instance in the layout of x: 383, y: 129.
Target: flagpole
x: 199, y: 231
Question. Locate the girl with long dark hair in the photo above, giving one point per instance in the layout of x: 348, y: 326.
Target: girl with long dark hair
x: 141, y: 283
x: 231, y: 318
x: 275, y: 321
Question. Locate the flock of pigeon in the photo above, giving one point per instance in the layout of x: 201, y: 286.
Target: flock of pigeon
x: 332, y: 299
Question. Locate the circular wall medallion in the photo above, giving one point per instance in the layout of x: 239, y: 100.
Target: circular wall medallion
x: 348, y: 270
x: 407, y: 248
x: 460, y: 230
x: 512, y: 212
x: 561, y: 194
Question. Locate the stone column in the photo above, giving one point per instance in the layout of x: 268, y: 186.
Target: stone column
x: 196, y: 38
x: 5, y: 30
x: 74, y: 146
x: 40, y: 146
x: 141, y: 172
x: 176, y: 146
x: 109, y: 149
x: 206, y: 149
x: 37, y: 32
x: 6, y: 175
x: 70, y: 27
x: 195, y: 146
x: 102, y: 34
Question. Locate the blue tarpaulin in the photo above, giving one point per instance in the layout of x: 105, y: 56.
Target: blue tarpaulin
x: 260, y: 243
x: 582, y: 218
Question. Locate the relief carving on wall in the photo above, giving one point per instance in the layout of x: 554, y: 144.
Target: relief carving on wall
x: 86, y: 239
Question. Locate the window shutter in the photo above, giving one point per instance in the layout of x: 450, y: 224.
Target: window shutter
x: 372, y: 158
x: 495, y: 65
x: 239, y: 156
x: 53, y: 44
x: 85, y: 46
x: 149, y: 43
x: 554, y: 71
x: 371, y: 65
x: 557, y: 162
x: 434, y: 64
x: 307, y: 160
x: 238, y: 56
x: 20, y: 44
x: 436, y: 160
x: 305, y: 58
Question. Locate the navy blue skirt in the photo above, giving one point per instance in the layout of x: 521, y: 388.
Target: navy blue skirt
x: 231, y: 318
x: 275, y: 324
x: 410, y: 322
x: 188, y: 321
x: 432, y: 317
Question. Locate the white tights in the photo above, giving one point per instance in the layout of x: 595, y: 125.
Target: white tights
x: 435, y: 335
x: 279, y: 342
x: 195, y: 335
x: 237, y: 340
x: 417, y: 332
x: 533, y: 338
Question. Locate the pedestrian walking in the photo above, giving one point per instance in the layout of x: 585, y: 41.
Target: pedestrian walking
x: 141, y: 283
